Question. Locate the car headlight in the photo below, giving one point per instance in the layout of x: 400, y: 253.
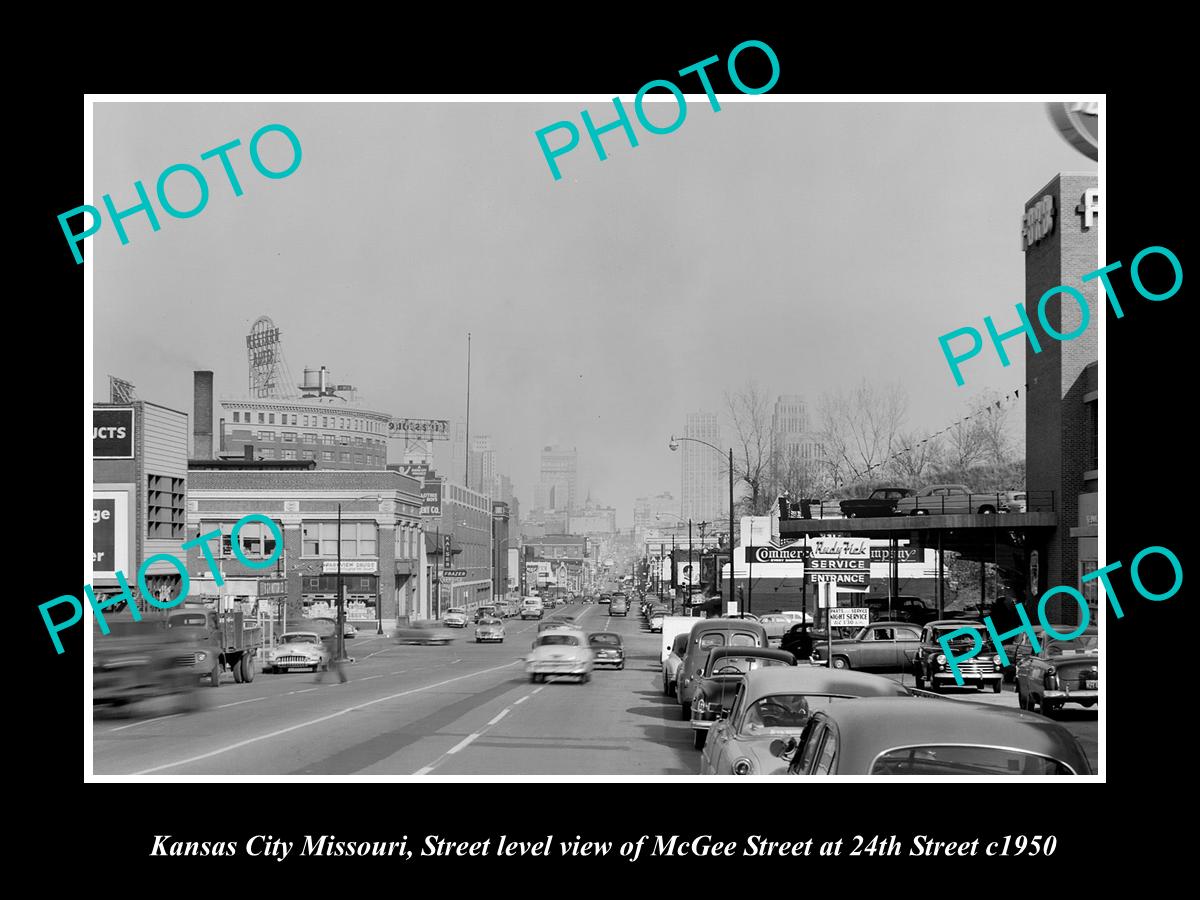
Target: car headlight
x: 941, y: 659
x: 201, y: 656
x: 996, y: 660
x: 743, y: 766
x: 699, y: 705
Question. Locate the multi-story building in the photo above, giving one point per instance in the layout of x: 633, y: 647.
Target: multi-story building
x: 464, y: 518
x: 593, y: 520
x: 482, y: 465
x: 557, y: 482
x: 140, y: 496
x: 649, y: 511
x: 365, y: 524
x: 701, y: 469
x: 791, y: 430
x: 500, y: 548
x: 331, y: 432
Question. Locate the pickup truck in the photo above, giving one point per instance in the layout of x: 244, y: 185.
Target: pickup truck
x: 218, y: 641
x: 882, y: 502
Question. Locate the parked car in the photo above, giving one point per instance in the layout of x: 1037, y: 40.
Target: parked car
x: 1018, y: 501
x: 880, y: 646
x: 706, y: 635
x: 618, y: 607
x: 607, y: 649
x: 775, y: 703
x: 330, y: 622
x: 672, y: 663
x: 919, y: 736
x: 489, y: 628
x: 794, y: 642
x: 1062, y: 672
x: 298, y: 650
x: 723, y: 672
x: 532, y: 608
x: 950, y: 499
x: 455, y: 617
x: 422, y: 632
x: 931, y: 667
x: 776, y: 626
x: 882, y: 502
x: 560, y: 651
x: 655, y: 619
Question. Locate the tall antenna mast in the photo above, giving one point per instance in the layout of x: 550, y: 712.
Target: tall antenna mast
x: 467, y: 454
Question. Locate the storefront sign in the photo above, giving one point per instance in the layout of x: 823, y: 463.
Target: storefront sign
x: 350, y: 566
x: 454, y: 573
x: 272, y: 587
x: 845, y: 562
x: 414, y: 470
x: 850, y: 617
x: 776, y: 554
x: 110, y: 533
x: 431, y: 498
x: 1037, y: 222
x: 112, y: 433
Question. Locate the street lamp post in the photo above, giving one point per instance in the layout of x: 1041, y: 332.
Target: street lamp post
x: 674, y: 445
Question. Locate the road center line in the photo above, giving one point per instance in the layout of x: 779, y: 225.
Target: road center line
x: 146, y: 722
x: 316, y: 721
x: 240, y: 702
x: 462, y: 743
x: 522, y: 700
x: 305, y: 691
x: 369, y: 677
x: 503, y: 713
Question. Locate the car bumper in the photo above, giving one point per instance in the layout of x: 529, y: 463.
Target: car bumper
x: 947, y: 678
x: 609, y: 661
x: 456, y: 624
x: 557, y: 668
x: 702, y: 724
x: 293, y: 664
x: 1070, y: 696
x: 489, y: 637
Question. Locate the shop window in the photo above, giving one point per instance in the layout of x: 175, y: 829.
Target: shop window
x: 266, y: 452
x: 289, y: 454
x: 166, y: 508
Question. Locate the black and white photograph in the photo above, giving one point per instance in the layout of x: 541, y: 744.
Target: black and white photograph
x: 689, y: 434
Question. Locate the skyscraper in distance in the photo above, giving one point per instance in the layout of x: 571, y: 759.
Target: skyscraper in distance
x: 702, y: 499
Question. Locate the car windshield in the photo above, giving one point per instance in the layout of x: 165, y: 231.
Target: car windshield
x: 1085, y: 643
x: 455, y: 612
x: 944, y: 630
x: 490, y: 621
x: 945, y: 760
x: 187, y: 619
x: 299, y: 639
x: 602, y: 638
x: 788, y: 712
x: 740, y: 665
x: 568, y: 640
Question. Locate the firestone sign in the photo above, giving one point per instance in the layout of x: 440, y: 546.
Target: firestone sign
x: 425, y: 428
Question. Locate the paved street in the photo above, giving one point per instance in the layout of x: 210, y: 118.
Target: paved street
x: 462, y: 709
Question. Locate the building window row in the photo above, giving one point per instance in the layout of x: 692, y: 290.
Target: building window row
x: 320, y: 539
x: 343, y: 423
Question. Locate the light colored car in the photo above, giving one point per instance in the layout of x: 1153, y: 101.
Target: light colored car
x: 773, y: 704
x: 776, y: 625
x: 455, y: 618
x: 656, y: 620
x: 951, y: 499
x: 489, y: 628
x: 673, y: 661
x: 560, y: 651
x: 1018, y: 501
x: 424, y: 633
x: 298, y: 650
x: 1063, y: 672
x: 532, y: 608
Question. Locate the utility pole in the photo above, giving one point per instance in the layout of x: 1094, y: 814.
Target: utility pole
x: 467, y: 449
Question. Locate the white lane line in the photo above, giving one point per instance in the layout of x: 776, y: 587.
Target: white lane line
x: 522, y: 700
x: 425, y: 770
x: 462, y: 743
x: 305, y: 691
x: 535, y: 690
x: 369, y: 677
x: 400, y: 671
x: 147, y: 722
x: 240, y: 702
x: 503, y: 713
x: 318, y: 720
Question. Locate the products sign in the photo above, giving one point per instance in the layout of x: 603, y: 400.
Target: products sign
x: 112, y: 433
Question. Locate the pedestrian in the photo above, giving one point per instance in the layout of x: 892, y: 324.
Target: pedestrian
x: 804, y: 643
x: 336, y: 663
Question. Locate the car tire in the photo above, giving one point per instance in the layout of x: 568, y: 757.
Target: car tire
x: 841, y: 662
x: 621, y: 666
x: 919, y: 681
x: 585, y: 677
x: 215, y: 675
x: 685, y: 713
x: 236, y: 669
x: 247, y: 668
x: 987, y: 510
x: 699, y: 736
x: 997, y: 686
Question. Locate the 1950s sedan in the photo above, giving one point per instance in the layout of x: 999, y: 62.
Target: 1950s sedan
x: 774, y: 703
x: 929, y: 736
x: 1062, y: 672
x: 932, y: 669
x: 298, y: 650
x: 560, y: 651
x: 714, y: 690
x: 880, y: 646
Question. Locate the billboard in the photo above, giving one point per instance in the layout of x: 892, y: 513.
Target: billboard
x: 112, y: 433
x: 431, y: 498
x: 425, y: 429
x: 110, y: 533
x: 844, y: 561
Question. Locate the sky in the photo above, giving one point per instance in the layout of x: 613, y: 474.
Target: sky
x: 802, y: 246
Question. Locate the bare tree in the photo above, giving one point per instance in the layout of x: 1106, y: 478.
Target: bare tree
x: 859, y: 430
x: 916, y: 459
x: 753, y: 445
x: 799, y: 476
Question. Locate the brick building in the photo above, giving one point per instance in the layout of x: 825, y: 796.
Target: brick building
x: 1062, y: 394
x: 380, y: 535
